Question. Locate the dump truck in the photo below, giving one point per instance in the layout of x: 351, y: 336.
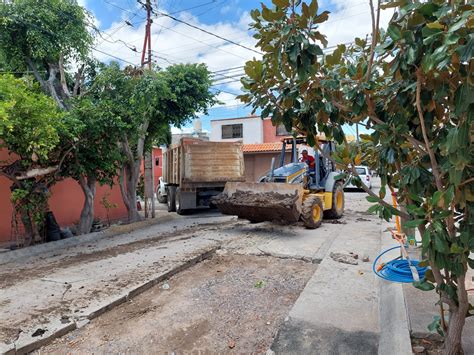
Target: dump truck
x: 195, y: 170
x: 289, y: 193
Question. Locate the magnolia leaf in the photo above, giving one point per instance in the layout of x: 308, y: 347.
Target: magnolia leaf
x: 321, y: 17
x: 424, y: 285
x: 394, y: 32
x: 435, y: 25
x: 390, y: 5
x: 372, y: 199
x: 413, y: 223
x: 281, y: 3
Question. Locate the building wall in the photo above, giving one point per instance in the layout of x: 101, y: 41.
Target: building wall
x: 270, y: 132
x: 258, y: 164
x: 66, y: 203
x: 252, y: 130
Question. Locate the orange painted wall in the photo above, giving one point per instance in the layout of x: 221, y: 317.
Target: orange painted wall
x: 66, y: 202
x: 158, y: 158
x: 269, y: 132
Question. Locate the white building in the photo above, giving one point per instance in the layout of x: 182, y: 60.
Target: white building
x: 248, y: 130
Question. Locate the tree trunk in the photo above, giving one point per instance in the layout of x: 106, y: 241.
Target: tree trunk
x: 128, y: 187
x: 457, y: 319
x: 87, y: 214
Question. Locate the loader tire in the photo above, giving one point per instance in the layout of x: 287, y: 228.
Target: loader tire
x: 171, y: 201
x: 312, y: 212
x: 337, y: 209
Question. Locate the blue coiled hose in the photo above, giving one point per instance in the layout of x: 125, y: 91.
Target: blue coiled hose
x: 398, y: 270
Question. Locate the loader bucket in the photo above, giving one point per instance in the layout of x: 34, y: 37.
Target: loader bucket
x: 260, y: 202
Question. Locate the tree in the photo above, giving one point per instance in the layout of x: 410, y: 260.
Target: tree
x: 44, y: 39
x: 411, y: 86
x: 147, y: 103
x: 36, y: 132
x: 96, y: 157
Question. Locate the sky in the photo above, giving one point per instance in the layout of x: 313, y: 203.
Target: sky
x: 174, y: 42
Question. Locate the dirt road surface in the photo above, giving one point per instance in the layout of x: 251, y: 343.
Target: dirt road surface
x: 227, y: 302
x: 235, y: 301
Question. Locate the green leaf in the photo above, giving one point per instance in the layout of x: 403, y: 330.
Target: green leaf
x: 340, y: 176
x: 413, y: 223
x: 456, y: 249
x: 373, y: 209
x: 424, y: 285
x: 394, y: 32
x: 429, y: 276
x: 372, y: 199
x: 426, y: 240
x: 441, y: 244
x: 436, y: 198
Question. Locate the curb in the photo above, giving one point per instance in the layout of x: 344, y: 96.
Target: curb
x: 34, y: 250
x: 393, y: 317
x: 26, y: 343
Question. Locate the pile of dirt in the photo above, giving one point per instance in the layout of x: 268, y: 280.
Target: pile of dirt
x: 259, y: 207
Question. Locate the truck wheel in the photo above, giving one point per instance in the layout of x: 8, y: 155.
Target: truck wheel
x: 177, y: 203
x: 312, y: 212
x: 171, y: 201
x: 337, y: 209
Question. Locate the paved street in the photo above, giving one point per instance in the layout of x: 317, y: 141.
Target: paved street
x: 200, y: 282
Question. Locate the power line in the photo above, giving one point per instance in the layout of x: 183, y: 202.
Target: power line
x: 197, y: 40
x: 113, y: 56
x: 208, y: 32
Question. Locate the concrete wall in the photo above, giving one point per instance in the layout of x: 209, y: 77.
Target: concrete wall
x: 252, y: 130
x: 66, y: 202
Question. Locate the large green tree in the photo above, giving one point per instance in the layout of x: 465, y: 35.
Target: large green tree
x: 411, y: 85
x: 38, y: 136
x: 45, y: 38
x: 147, y: 102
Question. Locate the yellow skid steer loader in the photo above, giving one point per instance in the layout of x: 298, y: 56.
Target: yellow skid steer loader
x: 289, y: 193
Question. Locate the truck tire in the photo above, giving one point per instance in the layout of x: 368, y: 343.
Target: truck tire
x: 178, y: 204
x: 312, y: 212
x: 171, y: 201
x: 337, y: 209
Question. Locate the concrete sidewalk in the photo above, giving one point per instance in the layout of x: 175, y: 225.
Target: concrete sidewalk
x: 337, y: 312
x: 75, y: 280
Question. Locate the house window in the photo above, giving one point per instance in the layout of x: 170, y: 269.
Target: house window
x: 157, y: 161
x: 281, y: 131
x: 232, y: 131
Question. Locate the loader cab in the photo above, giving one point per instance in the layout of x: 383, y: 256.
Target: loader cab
x: 315, y: 177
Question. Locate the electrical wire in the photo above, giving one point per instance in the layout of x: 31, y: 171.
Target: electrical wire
x: 207, y: 32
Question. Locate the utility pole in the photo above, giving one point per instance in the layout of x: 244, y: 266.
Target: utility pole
x: 357, y: 132
x: 149, y: 180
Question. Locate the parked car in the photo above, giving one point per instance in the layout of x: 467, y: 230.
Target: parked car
x: 365, y: 177
x: 161, y: 191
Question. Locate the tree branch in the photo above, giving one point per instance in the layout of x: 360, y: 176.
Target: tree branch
x: 37, y: 75
x: 434, y: 163
x: 62, y: 77
x: 375, y: 29
x: 78, y: 80
x: 51, y: 88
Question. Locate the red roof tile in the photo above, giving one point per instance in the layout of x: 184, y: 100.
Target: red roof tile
x: 263, y: 147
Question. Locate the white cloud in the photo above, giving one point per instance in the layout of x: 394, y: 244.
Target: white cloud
x: 350, y: 19
x: 174, y: 42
